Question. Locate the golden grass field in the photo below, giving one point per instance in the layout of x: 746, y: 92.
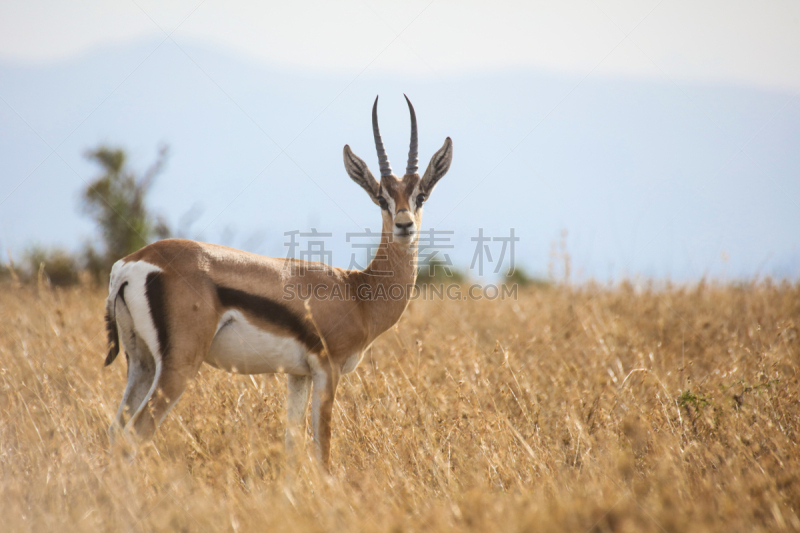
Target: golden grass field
x: 572, y: 409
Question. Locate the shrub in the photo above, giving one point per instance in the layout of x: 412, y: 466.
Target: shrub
x: 58, y: 266
x: 116, y: 202
x: 437, y: 271
x: 523, y: 279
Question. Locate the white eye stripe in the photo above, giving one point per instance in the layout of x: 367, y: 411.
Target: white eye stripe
x: 412, y: 200
x: 388, y: 198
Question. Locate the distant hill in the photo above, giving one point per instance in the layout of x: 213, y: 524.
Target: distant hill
x: 646, y: 176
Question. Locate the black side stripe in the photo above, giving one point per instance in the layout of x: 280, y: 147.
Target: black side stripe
x: 154, y: 290
x: 272, y: 312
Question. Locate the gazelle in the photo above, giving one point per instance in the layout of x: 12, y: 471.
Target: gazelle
x: 178, y: 303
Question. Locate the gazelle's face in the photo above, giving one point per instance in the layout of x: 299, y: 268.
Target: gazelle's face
x: 400, y: 199
x: 401, y: 202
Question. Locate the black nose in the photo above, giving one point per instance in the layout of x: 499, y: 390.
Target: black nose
x: 403, y: 225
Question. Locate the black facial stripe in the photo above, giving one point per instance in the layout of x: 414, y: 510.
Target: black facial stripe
x: 272, y: 312
x: 154, y: 290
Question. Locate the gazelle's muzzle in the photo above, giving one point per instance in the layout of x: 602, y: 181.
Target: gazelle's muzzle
x: 404, y: 226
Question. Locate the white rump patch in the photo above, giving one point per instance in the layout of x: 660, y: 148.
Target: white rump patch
x: 135, y: 274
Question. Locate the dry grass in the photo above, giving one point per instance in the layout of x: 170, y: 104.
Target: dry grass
x: 572, y: 409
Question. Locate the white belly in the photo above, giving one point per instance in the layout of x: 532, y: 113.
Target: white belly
x: 241, y: 347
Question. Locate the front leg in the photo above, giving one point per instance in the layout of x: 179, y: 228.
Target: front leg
x: 326, y: 378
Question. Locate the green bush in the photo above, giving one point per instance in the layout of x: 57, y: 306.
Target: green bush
x: 437, y: 271
x: 523, y: 279
x: 56, y: 265
x: 116, y: 202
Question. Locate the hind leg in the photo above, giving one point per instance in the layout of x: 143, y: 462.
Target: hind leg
x: 141, y: 369
x: 173, y: 373
x: 141, y: 373
x: 172, y: 383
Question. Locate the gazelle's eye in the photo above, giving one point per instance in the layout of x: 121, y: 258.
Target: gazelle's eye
x: 383, y: 203
x: 420, y: 200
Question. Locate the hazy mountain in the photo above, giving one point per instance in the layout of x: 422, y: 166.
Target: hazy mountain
x: 648, y: 177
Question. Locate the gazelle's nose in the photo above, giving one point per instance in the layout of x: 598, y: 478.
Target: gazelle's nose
x: 404, y: 225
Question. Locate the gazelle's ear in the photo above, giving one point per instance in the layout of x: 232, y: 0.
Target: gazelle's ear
x: 437, y: 168
x: 360, y: 173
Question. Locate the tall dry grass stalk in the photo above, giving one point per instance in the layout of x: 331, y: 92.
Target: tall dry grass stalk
x: 572, y: 409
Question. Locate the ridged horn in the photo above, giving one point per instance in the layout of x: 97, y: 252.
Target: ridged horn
x: 383, y: 159
x: 413, y: 160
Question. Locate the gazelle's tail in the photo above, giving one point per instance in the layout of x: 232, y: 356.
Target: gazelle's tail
x: 115, y: 290
x: 113, y: 334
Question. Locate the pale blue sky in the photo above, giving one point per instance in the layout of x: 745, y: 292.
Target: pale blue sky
x: 663, y: 136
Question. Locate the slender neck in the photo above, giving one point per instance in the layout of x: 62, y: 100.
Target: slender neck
x: 390, y: 276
